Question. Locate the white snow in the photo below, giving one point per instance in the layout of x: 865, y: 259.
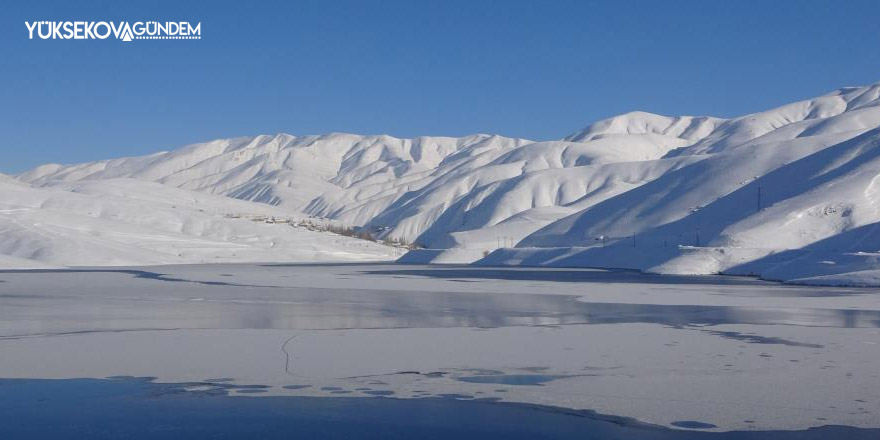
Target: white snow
x: 777, y: 193
x: 125, y: 221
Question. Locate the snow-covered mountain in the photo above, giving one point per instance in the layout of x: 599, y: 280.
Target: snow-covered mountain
x: 131, y: 222
x: 283, y: 169
x: 792, y: 193
x: 788, y: 193
x: 412, y: 189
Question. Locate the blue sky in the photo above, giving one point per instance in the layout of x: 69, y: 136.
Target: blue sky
x: 533, y: 69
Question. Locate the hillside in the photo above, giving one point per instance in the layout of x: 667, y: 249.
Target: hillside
x: 129, y: 222
x: 788, y: 193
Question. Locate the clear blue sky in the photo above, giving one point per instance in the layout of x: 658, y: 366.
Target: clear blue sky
x: 535, y: 69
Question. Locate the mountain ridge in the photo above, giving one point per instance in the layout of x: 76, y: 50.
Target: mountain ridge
x: 629, y: 175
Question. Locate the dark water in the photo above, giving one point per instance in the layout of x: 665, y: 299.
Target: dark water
x: 613, y: 276
x: 511, y: 379
x: 97, y: 409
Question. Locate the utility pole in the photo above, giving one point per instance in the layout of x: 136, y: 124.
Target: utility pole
x: 759, y: 197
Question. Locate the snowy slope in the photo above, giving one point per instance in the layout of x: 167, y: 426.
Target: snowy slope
x: 668, y: 194
x: 129, y: 222
x: 417, y: 190
x: 689, y: 128
x: 789, y: 194
x: 281, y: 169
x: 9, y: 180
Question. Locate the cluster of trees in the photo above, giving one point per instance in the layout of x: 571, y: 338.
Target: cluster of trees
x: 324, y: 225
x: 353, y: 231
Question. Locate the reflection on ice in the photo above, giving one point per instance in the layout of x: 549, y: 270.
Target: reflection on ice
x: 142, y: 303
x: 347, y: 309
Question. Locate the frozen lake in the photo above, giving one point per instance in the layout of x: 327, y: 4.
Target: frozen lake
x: 707, y: 353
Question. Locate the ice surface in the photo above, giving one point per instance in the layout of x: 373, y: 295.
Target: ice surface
x: 735, y: 353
